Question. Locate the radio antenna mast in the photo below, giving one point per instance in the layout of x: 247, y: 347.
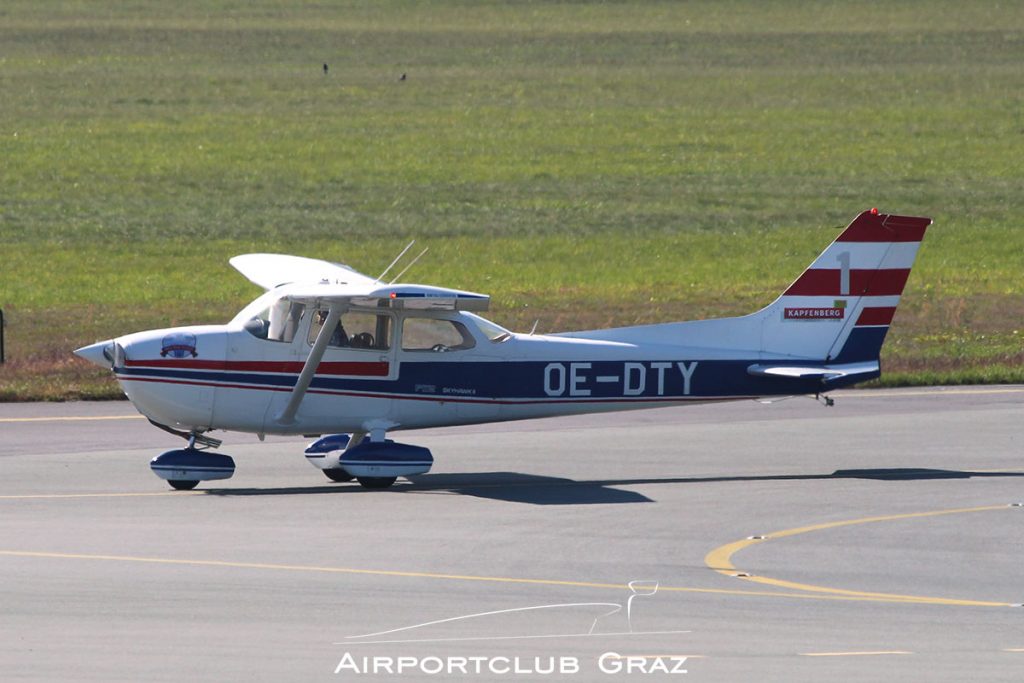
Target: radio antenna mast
x: 411, y: 264
x: 397, y: 259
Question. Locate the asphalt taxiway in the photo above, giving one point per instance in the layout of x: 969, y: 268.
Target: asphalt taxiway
x: 878, y: 539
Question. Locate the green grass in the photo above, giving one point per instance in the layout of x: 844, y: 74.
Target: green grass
x: 587, y: 164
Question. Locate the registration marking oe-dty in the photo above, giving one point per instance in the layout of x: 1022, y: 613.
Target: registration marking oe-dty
x: 571, y: 378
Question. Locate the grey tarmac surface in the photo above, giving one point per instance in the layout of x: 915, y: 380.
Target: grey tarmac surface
x: 893, y: 550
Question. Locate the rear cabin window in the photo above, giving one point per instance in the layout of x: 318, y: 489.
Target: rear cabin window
x: 432, y: 334
x: 355, y: 330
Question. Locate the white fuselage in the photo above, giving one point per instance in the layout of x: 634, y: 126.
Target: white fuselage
x: 224, y: 377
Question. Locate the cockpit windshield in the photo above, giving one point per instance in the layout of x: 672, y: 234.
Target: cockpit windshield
x: 494, y: 332
x: 274, y: 319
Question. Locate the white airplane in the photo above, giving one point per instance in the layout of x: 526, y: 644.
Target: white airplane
x: 327, y: 350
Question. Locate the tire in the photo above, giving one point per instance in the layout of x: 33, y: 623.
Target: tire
x: 338, y: 474
x: 183, y: 484
x: 377, y: 482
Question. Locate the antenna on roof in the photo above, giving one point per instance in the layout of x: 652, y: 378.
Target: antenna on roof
x: 411, y: 264
x: 397, y: 259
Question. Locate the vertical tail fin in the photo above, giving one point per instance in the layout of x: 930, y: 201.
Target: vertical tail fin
x: 829, y: 324
x: 840, y: 308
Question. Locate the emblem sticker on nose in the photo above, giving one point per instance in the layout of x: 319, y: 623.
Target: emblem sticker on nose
x: 179, y: 345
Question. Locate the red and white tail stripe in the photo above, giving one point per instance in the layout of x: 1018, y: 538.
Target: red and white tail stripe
x: 872, y: 257
x: 855, y: 283
x: 837, y: 311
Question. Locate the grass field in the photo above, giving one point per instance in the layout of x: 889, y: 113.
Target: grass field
x: 587, y: 164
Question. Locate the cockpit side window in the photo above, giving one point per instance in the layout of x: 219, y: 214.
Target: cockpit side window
x: 433, y: 334
x: 355, y: 330
x: 279, y: 322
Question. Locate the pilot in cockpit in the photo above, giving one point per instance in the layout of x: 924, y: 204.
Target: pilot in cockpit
x: 339, y: 336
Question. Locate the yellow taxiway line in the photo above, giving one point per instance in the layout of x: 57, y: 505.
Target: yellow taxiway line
x: 72, y: 418
x: 365, y: 572
x: 880, y: 597
x: 720, y: 559
x: 371, y: 572
x: 53, y: 496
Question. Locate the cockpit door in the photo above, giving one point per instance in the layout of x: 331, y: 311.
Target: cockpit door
x: 353, y: 379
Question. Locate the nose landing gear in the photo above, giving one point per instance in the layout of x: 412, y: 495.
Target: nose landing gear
x: 184, y: 468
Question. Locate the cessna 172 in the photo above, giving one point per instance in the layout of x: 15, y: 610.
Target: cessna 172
x: 327, y: 350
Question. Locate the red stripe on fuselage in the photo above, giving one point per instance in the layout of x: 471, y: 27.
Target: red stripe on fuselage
x: 357, y: 369
x: 826, y: 282
x: 876, y: 315
x: 869, y: 227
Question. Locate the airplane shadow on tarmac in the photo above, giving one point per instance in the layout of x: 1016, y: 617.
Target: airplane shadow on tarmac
x: 514, y: 487
x: 517, y: 487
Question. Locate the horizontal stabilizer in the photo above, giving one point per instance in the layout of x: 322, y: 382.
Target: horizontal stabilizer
x: 859, y: 372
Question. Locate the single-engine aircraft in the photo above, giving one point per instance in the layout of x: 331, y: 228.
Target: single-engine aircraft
x: 330, y: 351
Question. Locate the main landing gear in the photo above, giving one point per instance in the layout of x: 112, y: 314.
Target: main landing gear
x: 341, y: 475
x: 338, y: 474
x: 373, y: 460
x: 375, y: 464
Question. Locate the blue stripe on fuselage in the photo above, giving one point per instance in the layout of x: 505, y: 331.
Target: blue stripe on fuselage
x: 526, y: 380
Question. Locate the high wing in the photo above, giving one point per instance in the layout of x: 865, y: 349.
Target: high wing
x: 273, y: 270
x: 418, y: 297
x: 313, y: 281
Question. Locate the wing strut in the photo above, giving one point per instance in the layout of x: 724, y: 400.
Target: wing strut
x: 316, y: 354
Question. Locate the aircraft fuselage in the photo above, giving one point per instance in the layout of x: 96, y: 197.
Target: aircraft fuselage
x: 223, y: 377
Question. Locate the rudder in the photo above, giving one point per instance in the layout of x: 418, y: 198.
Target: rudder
x: 839, y: 310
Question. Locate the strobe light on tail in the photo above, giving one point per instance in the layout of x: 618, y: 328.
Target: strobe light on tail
x: 327, y: 350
